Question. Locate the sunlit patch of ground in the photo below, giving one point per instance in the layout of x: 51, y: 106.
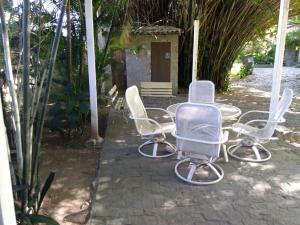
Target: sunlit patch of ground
x: 75, y: 171
x: 262, y: 79
x: 68, y: 200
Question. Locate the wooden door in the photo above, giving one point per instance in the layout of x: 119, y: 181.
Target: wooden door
x: 160, y: 61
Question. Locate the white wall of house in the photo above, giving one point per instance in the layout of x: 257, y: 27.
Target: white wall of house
x: 139, y: 65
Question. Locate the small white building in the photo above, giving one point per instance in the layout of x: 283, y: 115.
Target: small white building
x: 157, y: 59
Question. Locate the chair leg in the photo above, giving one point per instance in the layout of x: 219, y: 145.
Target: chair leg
x: 188, y: 177
x: 225, y: 153
x: 125, y: 116
x: 191, y: 172
x: 256, y: 152
x: 179, y: 155
x: 155, y: 149
x: 155, y: 144
x: 214, y: 169
x: 256, y: 148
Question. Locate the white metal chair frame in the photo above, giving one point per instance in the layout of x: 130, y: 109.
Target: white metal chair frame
x: 209, y: 94
x: 208, y: 99
x: 253, y: 140
x: 196, y: 160
x: 155, y: 138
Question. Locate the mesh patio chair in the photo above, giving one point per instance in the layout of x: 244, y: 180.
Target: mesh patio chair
x: 199, y: 135
x: 202, y: 91
x: 148, y: 128
x: 258, y: 131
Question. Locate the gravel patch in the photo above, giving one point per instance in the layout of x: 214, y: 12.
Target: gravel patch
x: 262, y: 79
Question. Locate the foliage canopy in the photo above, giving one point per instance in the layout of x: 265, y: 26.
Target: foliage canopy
x: 225, y: 27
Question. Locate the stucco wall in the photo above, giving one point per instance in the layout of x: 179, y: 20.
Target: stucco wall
x: 139, y: 65
x: 290, y: 56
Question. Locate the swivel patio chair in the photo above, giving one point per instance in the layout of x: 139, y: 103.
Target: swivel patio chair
x: 202, y: 91
x: 199, y: 135
x: 258, y: 131
x: 148, y: 128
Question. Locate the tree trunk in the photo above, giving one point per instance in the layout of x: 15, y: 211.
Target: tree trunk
x: 69, y: 43
x: 119, y: 77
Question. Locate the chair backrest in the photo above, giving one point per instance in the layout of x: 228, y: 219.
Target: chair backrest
x: 136, y: 108
x: 281, y: 108
x: 202, y: 91
x: 201, y: 122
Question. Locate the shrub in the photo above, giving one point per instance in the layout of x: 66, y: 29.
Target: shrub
x: 69, y: 111
x: 245, y: 71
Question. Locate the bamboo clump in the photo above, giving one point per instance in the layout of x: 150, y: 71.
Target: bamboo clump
x: 225, y: 27
x: 32, y: 105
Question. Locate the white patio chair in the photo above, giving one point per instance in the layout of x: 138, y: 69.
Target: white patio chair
x: 258, y: 131
x: 148, y: 128
x: 199, y: 135
x: 202, y: 91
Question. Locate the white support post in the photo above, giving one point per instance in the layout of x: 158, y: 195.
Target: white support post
x: 279, y: 54
x: 195, y: 50
x: 95, y: 139
x: 7, y: 208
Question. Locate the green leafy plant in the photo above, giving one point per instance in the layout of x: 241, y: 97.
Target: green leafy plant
x: 262, y: 49
x: 69, y: 110
x: 31, y: 101
x: 245, y: 71
x: 225, y: 27
x: 33, y: 219
x: 266, y: 57
x: 293, y: 39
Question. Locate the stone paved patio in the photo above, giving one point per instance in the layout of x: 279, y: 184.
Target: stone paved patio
x: 140, y: 191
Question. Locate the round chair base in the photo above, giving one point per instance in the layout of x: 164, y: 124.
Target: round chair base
x: 155, y: 150
x: 94, y: 142
x: 192, y: 170
x: 255, y: 148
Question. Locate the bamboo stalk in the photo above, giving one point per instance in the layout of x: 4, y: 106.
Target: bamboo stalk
x: 26, y: 112
x: 36, y: 89
x: 225, y: 26
x: 42, y: 114
x: 11, y: 86
x: 37, y: 98
x: 7, y: 213
x: 69, y: 43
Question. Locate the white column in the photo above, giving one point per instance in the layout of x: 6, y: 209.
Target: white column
x: 279, y: 54
x: 195, y: 50
x: 7, y: 208
x: 95, y: 139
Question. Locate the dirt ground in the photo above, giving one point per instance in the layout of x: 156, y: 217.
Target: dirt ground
x: 68, y: 200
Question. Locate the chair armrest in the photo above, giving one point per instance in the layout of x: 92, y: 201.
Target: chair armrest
x: 282, y: 120
x: 150, y: 120
x: 224, y: 139
x: 252, y: 111
x: 255, y: 121
x: 163, y: 110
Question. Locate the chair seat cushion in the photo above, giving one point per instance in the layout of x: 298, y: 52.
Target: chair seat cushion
x: 153, y: 129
